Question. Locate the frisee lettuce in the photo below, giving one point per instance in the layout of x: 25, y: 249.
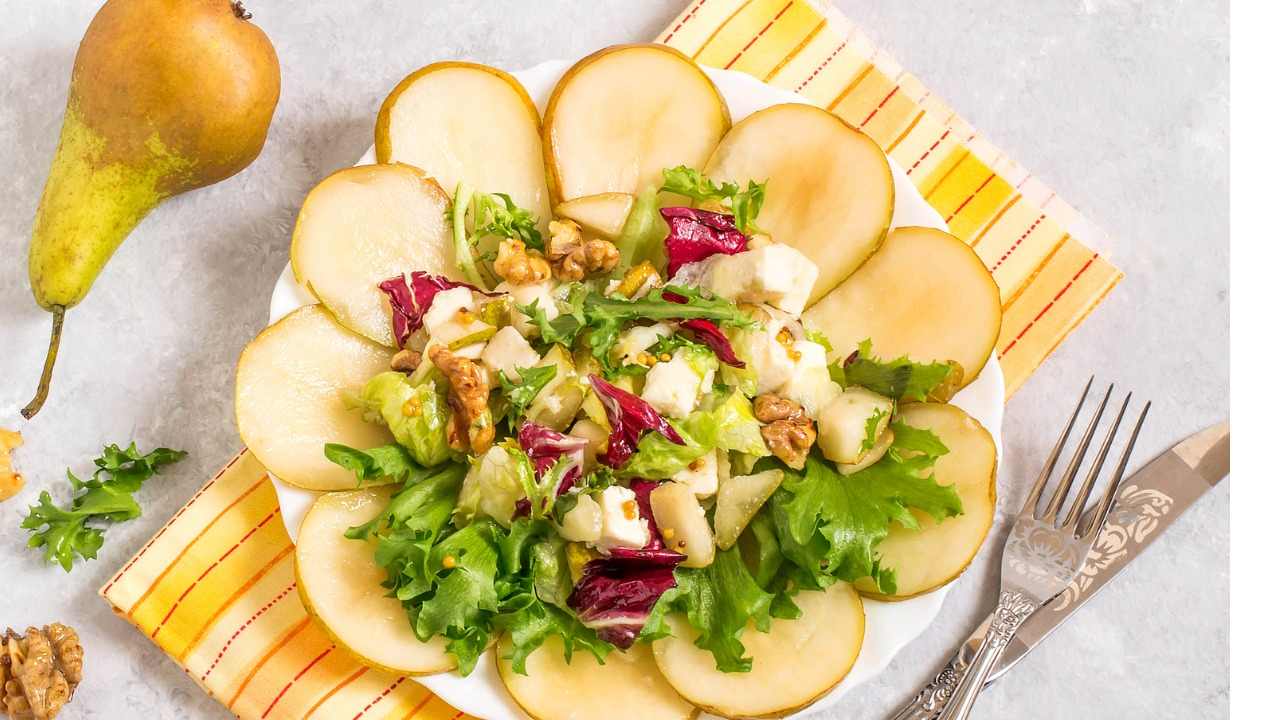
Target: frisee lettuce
x: 900, y: 379
x: 828, y: 524
x: 745, y: 204
x: 106, y: 497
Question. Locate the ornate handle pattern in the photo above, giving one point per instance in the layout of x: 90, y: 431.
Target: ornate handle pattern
x: 1012, y: 610
x: 928, y: 703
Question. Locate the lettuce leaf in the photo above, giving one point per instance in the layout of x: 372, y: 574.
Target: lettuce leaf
x: 388, y: 396
x: 699, y: 188
x: 731, y: 425
x: 719, y: 600
x: 900, y: 379
x: 495, y: 484
x: 829, y: 524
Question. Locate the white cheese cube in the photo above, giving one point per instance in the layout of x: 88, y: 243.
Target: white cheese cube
x: 621, y: 524
x: 508, y: 350
x: 451, y: 318
x: 843, y: 432
x: 672, y: 387
x: 702, y: 476
x: 776, y: 274
x: 773, y: 361
x: 524, y: 295
x: 810, y: 383
x: 634, y: 341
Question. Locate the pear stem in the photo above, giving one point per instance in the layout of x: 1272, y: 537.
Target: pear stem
x: 240, y: 11
x: 46, y: 376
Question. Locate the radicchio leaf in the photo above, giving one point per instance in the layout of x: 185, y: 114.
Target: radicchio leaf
x: 707, y: 333
x: 642, y: 488
x: 617, y: 593
x: 411, y: 295
x: 545, y: 446
x: 628, y: 417
x: 698, y: 234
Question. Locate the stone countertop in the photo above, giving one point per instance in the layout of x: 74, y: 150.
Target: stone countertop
x: 1120, y: 106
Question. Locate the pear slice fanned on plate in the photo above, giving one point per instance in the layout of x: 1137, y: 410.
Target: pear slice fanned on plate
x: 340, y: 585
x: 363, y: 225
x: 603, y: 214
x: 830, y: 190
x: 627, y: 685
x: 465, y: 122
x: 794, y: 664
x: 925, y: 295
x: 620, y: 116
x: 936, y: 553
x: 289, y: 385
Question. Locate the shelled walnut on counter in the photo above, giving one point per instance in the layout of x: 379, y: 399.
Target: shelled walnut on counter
x: 39, y: 671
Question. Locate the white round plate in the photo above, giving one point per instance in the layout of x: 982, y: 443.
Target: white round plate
x: 889, y: 626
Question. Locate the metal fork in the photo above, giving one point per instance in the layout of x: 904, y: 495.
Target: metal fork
x: 1044, y: 552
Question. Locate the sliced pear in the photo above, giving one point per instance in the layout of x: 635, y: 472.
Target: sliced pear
x: 937, y: 553
x: 340, y: 586
x: 602, y: 214
x: 627, y: 685
x: 618, y: 117
x: 365, y: 224
x: 289, y: 385
x: 925, y: 295
x: 464, y: 122
x: 830, y: 191
x: 794, y: 664
x: 738, y: 501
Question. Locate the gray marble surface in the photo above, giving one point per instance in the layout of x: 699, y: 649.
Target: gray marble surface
x: 1120, y: 105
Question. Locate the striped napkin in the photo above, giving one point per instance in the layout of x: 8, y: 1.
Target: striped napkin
x: 215, y: 587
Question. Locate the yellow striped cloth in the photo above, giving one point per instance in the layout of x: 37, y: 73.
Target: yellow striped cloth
x: 215, y: 587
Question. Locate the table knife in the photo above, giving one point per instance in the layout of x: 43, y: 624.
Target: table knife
x: 1148, y: 503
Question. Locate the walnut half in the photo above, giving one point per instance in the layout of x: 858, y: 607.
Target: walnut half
x: 788, y: 433
x: 574, y: 257
x: 470, y: 422
x: 40, y: 671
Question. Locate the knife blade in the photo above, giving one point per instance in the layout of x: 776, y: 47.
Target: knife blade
x: 1148, y: 503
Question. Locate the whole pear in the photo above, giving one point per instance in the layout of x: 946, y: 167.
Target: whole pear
x: 166, y: 96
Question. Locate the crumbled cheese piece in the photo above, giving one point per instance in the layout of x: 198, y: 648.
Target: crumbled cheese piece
x: 773, y: 273
x: 672, y: 387
x: 810, y: 383
x: 631, y: 343
x: 702, y: 476
x: 621, y: 525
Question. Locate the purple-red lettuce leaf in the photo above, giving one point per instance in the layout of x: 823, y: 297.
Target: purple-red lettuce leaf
x: 616, y: 594
x: 557, y: 463
x: 642, y: 489
x: 411, y: 295
x: 698, y: 234
x: 629, y: 416
x: 709, y: 334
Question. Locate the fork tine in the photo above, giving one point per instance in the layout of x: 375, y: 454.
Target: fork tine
x: 1069, y: 477
x: 1033, y: 498
x: 1082, y: 497
x: 1099, y: 516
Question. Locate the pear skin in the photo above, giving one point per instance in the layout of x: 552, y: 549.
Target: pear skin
x: 166, y: 96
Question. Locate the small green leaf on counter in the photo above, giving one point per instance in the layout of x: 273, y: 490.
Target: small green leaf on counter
x: 106, y: 497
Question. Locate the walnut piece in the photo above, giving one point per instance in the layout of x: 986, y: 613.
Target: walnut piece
x: 40, y: 671
x: 573, y: 258
x: 770, y: 407
x: 518, y: 265
x: 787, y: 432
x: 406, y: 361
x: 790, y: 440
x: 470, y: 423
x: 10, y: 481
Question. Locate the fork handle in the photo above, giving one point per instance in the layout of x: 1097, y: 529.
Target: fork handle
x: 1011, y: 611
x: 929, y: 701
